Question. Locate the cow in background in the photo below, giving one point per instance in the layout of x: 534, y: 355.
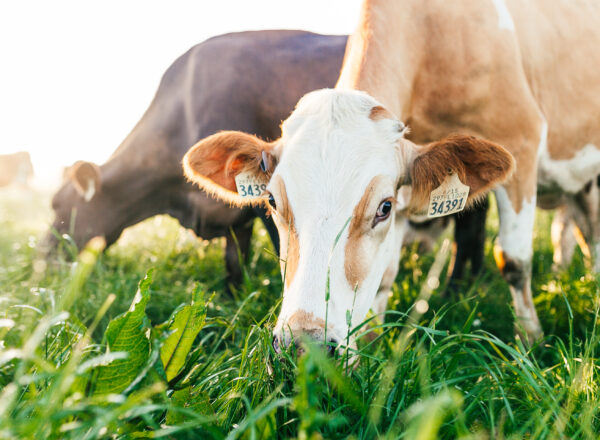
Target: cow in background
x: 242, y: 81
x: 15, y: 168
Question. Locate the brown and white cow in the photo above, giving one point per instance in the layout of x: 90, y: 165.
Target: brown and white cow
x: 519, y: 74
x: 333, y: 182
x: 15, y: 168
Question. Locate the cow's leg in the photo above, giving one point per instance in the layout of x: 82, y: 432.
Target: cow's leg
x: 516, y: 208
x: 563, y: 237
x: 237, y: 244
x: 584, y: 208
x: 469, y: 241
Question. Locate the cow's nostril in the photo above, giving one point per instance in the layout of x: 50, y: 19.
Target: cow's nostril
x: 276, y: 345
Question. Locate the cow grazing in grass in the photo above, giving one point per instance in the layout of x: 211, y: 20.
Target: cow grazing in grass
x: 518, y: 74
x: 332, y: 189
x: 15, y: 168
x: 245, y: 81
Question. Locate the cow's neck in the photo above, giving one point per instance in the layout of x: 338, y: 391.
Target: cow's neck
x: 383, y: 53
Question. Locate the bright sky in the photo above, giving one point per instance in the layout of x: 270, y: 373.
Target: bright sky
x: 77, y: 75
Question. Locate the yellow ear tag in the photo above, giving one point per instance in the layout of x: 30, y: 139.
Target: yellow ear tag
x: 448, y: 198
x: 250, y: 185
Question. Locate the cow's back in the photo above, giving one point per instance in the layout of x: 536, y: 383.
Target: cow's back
x: 560, y: 48
x: 251, y: 81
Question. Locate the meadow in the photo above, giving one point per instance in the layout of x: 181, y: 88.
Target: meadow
x: 141, y: 341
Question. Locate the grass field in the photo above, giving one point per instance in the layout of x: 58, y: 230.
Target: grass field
x: 80, y: 358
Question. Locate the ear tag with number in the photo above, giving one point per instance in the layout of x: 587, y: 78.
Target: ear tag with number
x: 250, y: 185
x: 448, y: 198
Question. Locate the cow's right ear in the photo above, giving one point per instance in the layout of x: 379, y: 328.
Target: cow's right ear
x: 86, y: 178
x: 215, y: 162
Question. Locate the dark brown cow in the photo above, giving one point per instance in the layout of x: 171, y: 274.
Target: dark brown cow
x: 246, y: 81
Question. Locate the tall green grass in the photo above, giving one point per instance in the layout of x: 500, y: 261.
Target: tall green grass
x: 141, y: 342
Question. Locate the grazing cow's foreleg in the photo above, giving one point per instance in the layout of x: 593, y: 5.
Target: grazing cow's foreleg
x: 563, y: 237
x: 237, y: 243
x: 584, y: 211
x: 517, y: 214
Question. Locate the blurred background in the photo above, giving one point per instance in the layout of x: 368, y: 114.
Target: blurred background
x: 76, y: 76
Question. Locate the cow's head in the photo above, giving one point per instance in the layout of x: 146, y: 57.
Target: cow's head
x: 332, y: 181
x: 81, y: 206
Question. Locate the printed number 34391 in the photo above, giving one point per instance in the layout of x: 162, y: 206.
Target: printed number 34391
x: 445, y: 206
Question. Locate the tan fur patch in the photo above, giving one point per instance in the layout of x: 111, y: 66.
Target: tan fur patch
x: 305, y: 321
x: 291, y: 253
x: 378, y: 112
x: 354, y: 265
x: 292, y: 256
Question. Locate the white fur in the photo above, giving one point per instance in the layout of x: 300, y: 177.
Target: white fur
x: 516, y: 228
x: 331, y: 152
x: 516, y: 240
x: 505, y: 20
x: 569, y: 174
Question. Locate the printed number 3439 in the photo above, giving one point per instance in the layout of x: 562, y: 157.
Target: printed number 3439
x: 254, y: 190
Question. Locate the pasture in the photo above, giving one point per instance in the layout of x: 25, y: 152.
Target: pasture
x: 80, y: 358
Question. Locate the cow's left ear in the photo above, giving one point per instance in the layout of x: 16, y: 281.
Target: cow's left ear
x: 86, y: 178
x: 479, y: 164
x: 232, y: 166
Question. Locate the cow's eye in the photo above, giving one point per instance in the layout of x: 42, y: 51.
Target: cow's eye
x: 383, y: 211
x: 271, y: 200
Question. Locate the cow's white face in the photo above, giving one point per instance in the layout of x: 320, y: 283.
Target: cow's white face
x: 333, y: 179
x: 337, y: 175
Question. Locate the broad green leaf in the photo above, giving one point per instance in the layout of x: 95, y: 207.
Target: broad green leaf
x: 185, y: 325
x: 189, y: 399
x: 126, y: 333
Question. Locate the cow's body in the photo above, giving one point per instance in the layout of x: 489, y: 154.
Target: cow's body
x: 15, y: 168
x: 246, y: 81
x: 523, y: 74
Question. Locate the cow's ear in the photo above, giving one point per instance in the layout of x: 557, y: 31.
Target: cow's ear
x: 86, y: 178
x: 479, y: 164
x: 231, y: 166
